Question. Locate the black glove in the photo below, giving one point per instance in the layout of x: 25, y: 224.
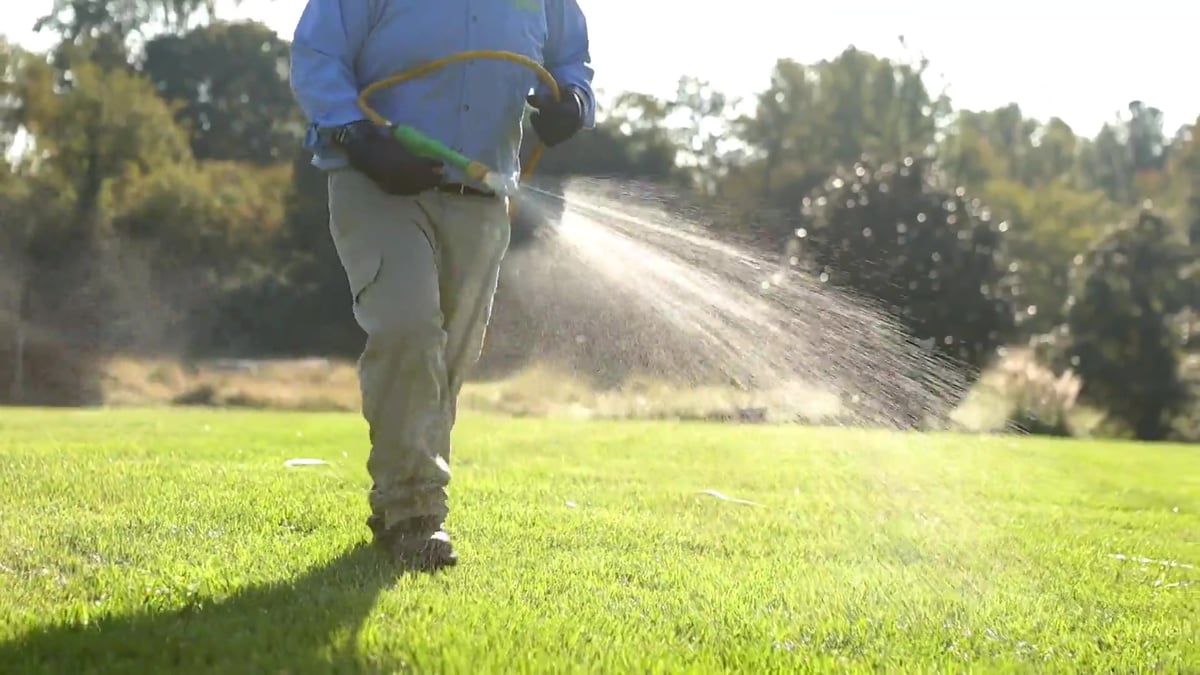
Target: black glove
x: 557, y: 120
x: 373, y: 150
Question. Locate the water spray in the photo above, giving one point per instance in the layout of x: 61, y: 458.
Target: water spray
x: 695, y: 308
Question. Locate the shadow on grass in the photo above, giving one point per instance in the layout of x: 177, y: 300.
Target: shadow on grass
x: 302, y: 625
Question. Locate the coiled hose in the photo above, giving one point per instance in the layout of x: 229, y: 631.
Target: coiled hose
x: 426, y: 68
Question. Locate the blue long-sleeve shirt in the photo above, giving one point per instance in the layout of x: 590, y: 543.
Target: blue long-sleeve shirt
x: 476, y: 107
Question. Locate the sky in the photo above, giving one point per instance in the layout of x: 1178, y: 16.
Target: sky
x: 1080, y: 61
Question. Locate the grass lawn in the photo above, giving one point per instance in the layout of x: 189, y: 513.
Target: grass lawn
x: 178, y: 541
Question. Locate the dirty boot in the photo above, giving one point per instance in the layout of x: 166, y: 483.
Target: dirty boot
x: 420, y: 544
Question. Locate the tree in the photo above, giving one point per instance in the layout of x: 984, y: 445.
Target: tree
x: 80, y: 19
x: 230, y: 81
x: 813, y: 119
x: 1118, y: 335
x: 1003, y: 144
x: 631, y: 140
x: 1047, y: 225
x: 1147, y: 142
x: 106, y: 124
x: 702, y: 136
x: 43, y: 361
x: 108, y: 33
x: 86, y: 138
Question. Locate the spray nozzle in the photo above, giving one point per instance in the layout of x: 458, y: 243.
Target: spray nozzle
x: 501, y: 185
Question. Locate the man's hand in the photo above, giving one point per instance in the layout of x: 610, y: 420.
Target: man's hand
x: 372, y: 150
x: 557, y: 120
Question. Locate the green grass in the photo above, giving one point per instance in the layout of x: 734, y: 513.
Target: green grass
x: 177, y: 541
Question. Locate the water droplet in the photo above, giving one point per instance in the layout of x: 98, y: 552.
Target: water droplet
x: 935, y: 256
x: 1031, y: 310
x: 777, y: 278
x: 921, y: 217
x: 793, y: 261
x: 766, y: 285
x: 801, y: 232
x: 951, y: 219
x: 901, y: 228
x: 1078, y: 259
x: 837, y: 183
x: 860, y: 171
x: 867, y: 232
x: 908, y: 161
x: 949, y: 340
x: 824, y: 277
x: 1003, y: 226
x: 1014, y: 266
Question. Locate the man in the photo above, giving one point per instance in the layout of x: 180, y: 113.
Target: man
x: 421, y: 246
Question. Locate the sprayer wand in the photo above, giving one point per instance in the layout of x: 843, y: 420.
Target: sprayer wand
x: 421, y: 145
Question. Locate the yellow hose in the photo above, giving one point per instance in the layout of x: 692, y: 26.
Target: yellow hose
x: 426, y: 68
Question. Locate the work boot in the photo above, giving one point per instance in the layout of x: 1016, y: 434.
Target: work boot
x: 419, y: 544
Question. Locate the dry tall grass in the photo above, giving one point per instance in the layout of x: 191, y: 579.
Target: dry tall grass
x: 1016, y: 392
x: 320, y: 384
x: 302, y: 384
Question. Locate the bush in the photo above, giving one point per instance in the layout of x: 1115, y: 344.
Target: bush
x: 1120, y: 333
x: 934, y: 257
x: 1021, y: 394
x: 1041, y: 402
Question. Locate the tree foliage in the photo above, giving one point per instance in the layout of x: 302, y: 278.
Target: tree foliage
x: 230, y: 81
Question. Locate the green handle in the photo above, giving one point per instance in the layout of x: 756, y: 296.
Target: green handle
x: 424, y: 146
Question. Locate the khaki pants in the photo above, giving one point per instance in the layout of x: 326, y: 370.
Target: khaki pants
x: 422, y: 273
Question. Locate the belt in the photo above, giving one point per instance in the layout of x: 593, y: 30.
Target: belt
x: 465, y: 190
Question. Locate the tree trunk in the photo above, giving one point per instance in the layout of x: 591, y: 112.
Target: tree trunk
x: 18, y: 380
x: 1149, y: 426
